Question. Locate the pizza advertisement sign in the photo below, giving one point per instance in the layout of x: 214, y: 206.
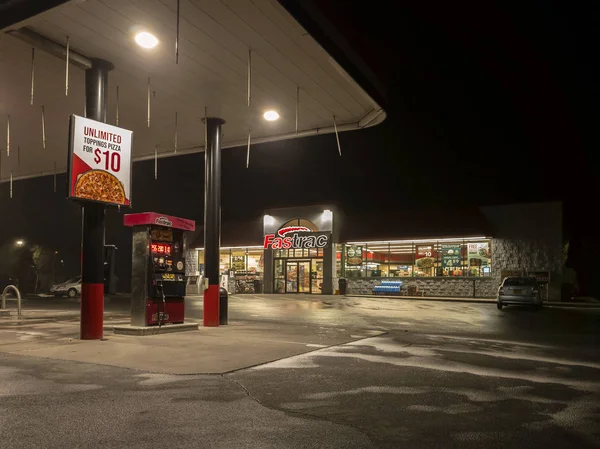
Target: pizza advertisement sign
x: 99, y: 162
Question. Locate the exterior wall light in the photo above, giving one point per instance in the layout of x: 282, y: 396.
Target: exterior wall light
x: 268, y: 220
x: 146, y: 40
x: 20, y: 242
x: 271, y: 116
x: 327, y: 215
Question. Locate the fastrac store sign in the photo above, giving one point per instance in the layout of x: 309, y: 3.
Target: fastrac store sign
x: 297, y: 237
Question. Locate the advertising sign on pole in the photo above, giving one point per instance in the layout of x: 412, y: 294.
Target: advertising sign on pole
x: 99, y: 162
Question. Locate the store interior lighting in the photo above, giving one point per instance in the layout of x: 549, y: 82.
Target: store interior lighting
x: 428, y: 241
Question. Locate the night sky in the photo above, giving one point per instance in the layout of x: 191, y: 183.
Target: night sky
x: 485, y: 105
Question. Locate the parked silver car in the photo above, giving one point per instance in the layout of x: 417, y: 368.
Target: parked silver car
x: 519, y: 290
x: 70, y: 288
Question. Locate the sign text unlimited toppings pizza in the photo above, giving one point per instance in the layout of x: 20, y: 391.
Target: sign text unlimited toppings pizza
x: 99, y: 162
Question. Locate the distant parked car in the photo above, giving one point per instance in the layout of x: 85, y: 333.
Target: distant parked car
x: 70, y: 288
x: 519, y: 290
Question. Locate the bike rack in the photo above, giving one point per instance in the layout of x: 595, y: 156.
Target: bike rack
x: 16, y: 290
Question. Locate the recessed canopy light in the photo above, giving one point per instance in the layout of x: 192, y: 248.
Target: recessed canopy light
x: 271, y: 116
x: 146, y: 40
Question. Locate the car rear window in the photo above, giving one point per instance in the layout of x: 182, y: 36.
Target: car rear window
x: 519, y: 281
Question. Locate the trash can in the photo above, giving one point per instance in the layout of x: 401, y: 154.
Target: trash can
x: 258, y: 286
x: 343, y: 286
x: 223, y: 306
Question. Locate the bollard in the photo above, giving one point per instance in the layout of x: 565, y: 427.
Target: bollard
x: 223, y: 306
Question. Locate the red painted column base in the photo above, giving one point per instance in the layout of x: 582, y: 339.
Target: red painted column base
x: 211, y: 306
x: 92, y: 311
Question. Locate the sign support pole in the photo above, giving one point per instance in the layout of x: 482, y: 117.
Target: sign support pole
x: 92, y: 245
x: 212, y: 218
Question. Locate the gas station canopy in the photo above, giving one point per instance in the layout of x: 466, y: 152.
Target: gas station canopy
x: 220, y: 42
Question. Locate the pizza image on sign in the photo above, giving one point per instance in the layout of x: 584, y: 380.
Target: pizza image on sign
x: 99, y: 185
x: 99, y: 162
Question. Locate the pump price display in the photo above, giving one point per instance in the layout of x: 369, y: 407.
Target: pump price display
x: 99, y: 162
x: 160, y: 248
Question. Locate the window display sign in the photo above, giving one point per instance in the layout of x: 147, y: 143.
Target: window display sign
x: 451, y: 257
x: 424, y: 256
x: 478, y: 254
x: 354, y: 255
x: 238, y: 263
x: 99, y: 162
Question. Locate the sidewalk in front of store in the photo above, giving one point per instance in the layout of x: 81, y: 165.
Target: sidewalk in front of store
x: 576, y: 302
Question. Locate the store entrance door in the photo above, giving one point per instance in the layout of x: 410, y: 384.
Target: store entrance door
x: 297, y: 276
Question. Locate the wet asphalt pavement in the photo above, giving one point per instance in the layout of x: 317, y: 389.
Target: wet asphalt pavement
x: 443, y: 375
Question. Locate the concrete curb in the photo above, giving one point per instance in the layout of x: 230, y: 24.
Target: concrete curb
x: 427, y: 298
x: 475, y: 300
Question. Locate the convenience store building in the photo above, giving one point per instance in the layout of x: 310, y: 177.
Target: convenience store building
x: 308, y: 249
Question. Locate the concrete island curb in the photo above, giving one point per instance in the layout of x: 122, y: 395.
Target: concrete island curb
x: 595, y: 305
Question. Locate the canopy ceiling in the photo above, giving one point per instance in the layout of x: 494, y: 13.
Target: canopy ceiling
x: 215, y: 36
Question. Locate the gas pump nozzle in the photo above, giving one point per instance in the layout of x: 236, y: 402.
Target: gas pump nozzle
x: 161, y: 290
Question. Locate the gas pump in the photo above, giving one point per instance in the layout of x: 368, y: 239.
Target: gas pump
x: 158, y: 282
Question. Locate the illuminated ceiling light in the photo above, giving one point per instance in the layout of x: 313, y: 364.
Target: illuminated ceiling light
x: 146, y: 40
x: 268, y: 220
x: 271, y: 116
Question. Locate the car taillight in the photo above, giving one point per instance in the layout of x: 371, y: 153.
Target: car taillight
x: 501, y: 291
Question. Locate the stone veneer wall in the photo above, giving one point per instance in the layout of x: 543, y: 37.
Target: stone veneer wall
x: 510, y: 254
x: 452, y: 287
x: 527, y: 237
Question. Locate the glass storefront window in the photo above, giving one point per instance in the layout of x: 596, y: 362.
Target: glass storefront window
x: 452, y: 261
x: 354, y: 260
x: 279, y: 276
x: 401, y: 260
x: 224, y: 261
x: 418, y: 258
x: 479, y: 259
x: 425, y: 259
x: 256, y: 261
x: 238, y: 260
x: 378, y: 260
x: 201, y: 262
x: 244, y: 266
x: 338, y: 260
